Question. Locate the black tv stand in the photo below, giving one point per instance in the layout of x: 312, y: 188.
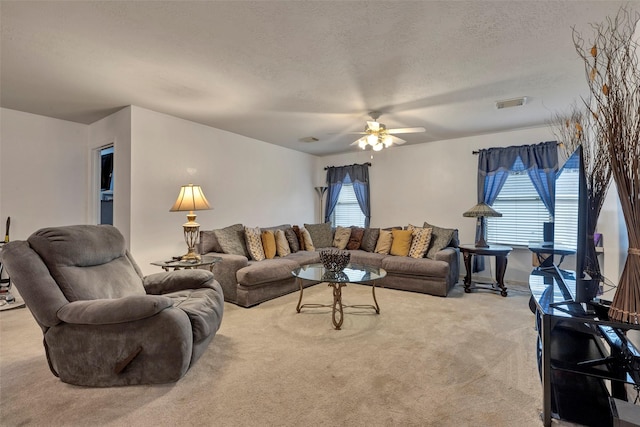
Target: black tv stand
x: 584, y: 358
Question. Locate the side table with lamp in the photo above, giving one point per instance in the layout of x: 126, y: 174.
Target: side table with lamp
x: 481, y: 247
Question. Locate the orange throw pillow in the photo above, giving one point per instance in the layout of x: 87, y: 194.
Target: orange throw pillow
x: 401, y: 242
x: 269, y: 244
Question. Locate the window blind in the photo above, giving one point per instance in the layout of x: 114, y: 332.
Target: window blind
x: 347, y: 212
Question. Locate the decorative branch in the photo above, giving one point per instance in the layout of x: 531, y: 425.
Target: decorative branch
x: 613, y: 77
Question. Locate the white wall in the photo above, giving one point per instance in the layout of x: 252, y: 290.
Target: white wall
x: 245, y: 180
x: 436, y: 182
x: 43, y: 172
x: 114, y: 129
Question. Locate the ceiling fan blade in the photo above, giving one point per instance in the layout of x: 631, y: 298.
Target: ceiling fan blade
x: 397, y: 140
x: 407, y: 130
x: 374, y: 126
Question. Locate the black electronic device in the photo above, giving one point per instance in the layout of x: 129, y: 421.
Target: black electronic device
x: 571, y: 195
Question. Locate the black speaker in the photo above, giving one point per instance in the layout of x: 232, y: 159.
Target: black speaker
x: 548, y: 232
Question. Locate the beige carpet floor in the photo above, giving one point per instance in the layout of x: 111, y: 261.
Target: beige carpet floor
x: 464, y: 360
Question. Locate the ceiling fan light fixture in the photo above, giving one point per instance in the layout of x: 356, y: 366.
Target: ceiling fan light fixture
x: 387, y: 141
x: 372, y: 139
x: 362, y: 143
x: 378, y: 147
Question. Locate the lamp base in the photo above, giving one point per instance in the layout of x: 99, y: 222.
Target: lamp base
x: 191, y: 256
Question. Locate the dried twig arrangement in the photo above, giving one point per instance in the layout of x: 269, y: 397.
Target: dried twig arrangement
x: 574, y: 129
x: 613, y: 76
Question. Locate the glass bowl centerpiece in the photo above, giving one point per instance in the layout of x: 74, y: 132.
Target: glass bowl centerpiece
x: 334, y: 260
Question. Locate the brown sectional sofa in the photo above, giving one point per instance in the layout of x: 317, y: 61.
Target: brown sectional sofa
x: 246, y: 282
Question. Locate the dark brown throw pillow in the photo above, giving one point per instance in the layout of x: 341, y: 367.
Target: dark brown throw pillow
x: 370, y: 239
x: 296, y: 229
x: 355, y: 240
x: 292, y: 238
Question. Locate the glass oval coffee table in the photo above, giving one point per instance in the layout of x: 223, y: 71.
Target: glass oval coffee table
x: 353, y: 273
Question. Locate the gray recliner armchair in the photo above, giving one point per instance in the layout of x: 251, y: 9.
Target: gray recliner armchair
x: 104, y: 324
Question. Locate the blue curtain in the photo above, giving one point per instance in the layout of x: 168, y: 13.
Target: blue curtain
x: 358, y: 175
x: 494, y: 165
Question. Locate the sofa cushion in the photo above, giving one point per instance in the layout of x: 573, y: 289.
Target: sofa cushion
x: 292, y: 239
x: 420, y: 239
x: 440, y: 239
x: 401, y: 242
x: 383, y: 246
x: 304, y: 257
x: 231, y: 240
x: 269, y: 270
x: 341, y: 237
x: 415, y: 267
x: 282, y: 245
x: 321, y: 234
x: 355, y: 239
x: 366, y: 258
x: 369, y: 239
x: 308, y: 242
x: 253, y: 239
x: 268, y: 244
x: 208, y: 242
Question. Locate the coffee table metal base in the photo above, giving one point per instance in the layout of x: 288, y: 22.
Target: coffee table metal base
x: 337, y: 307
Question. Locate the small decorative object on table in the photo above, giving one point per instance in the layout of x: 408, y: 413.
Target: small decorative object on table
x: 334, y: 260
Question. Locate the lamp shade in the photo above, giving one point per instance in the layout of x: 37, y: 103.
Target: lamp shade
x: 191, y: 198
x: 481, y: 210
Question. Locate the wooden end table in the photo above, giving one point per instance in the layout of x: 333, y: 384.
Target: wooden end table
x: 499, y: 252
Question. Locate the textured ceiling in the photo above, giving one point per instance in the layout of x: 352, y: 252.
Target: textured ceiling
x: 280, y: 71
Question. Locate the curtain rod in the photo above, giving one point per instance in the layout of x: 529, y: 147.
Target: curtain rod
x: 477, y: 151
x: 355, y: 164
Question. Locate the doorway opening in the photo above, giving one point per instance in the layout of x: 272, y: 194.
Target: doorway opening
x: 106, y: 185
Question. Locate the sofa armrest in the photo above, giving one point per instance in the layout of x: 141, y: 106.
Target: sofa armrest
x: 111, y: 311
x: 173, y: 281
x: 447, y: 254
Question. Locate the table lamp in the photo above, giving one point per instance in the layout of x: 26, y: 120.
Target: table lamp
x: 191, y: 198
x: 480, y: 211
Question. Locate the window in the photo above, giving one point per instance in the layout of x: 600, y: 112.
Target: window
x: 347, y: 212
x: 523, y: 212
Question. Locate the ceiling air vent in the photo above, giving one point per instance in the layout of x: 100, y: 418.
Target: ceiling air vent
x: 309, y: 139
x: 508, y: 103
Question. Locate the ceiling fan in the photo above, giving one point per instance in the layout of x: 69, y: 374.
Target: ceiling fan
x: 378, y: 136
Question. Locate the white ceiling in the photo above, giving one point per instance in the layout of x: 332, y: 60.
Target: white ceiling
x: 280, y: 71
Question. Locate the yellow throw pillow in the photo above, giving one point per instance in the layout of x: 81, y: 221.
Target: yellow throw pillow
x: 269, y: 244
x: 341, y: 237
x: 383, y: 246
x: 282, y: 244
x: 401, y: 242
x: 308, y: 243
x: 421, y: 238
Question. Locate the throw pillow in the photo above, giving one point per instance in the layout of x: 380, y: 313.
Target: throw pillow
x: 401, y: 242
x: 321, y: 234
x: 269, y: 244
x: 298, y: 232
x: 231, y: 240
x: 420, y: 239
x: 369, y: 239
x: 292, y: 239
x: 308, y: 242
x: 341, y: 237
x: 282, y: 245
x: 208, y: 242
x: 440, y: 239
x: 355, y: 240
x: 383, y: 246
x: 253, y: 239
